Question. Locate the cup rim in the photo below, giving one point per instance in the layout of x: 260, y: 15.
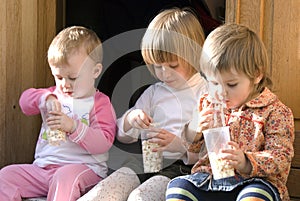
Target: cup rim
x: 215, y: 129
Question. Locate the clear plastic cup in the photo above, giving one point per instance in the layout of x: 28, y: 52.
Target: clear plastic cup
x: 54, y: 137
x: 153, y: 161
x: 216, y: 139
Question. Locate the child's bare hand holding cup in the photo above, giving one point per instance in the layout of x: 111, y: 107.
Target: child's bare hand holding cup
x: 237, y: 158
x: 167, y: 141
x: 137, y: 119
x: 56, y: 119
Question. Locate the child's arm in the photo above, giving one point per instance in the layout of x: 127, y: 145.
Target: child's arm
x: 278, y: 150
x: 98, y: 136
x: 202, y: 119
x: 31, y: 99
x: 136, y: 118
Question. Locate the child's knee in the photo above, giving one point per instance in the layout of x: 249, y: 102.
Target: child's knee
x: 9, y: 172
x: 152, y: 189
x: 256, y: 192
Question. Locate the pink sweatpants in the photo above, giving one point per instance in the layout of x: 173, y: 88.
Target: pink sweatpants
x: 58, y: 183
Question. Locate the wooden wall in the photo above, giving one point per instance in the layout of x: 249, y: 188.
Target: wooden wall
x: 277, y: 22
x: 26, y: 30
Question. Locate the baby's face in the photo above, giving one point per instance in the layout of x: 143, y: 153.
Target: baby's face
x: 76, y: 78
x: 231, y: 87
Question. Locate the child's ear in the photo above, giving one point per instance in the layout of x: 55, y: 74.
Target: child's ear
x: 97, y: 70
x: 258, y: 78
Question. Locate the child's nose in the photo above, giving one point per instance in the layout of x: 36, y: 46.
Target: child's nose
x: 166, y: 71
x: 220, y: 93
x: 65, y: 83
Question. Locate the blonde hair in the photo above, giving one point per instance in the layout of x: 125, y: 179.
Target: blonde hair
x: 173, y: 35
x: 72, y: 39
x: 233, y: 46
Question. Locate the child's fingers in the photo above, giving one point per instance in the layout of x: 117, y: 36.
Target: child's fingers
x: 54, y: 120
x: 145, y: 119
x: 53, y: 105
x: 234, y: 145
x: 139, y: 123
x: 138, y: 119
x: 56, y: 106
x: 155, y: 140
x: 152, y: 134
x: 56, y: 113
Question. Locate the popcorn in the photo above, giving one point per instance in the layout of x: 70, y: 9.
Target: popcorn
x: 56, y: 137
x: 152, y: 160
x: 216, y: 139
x: 220, y: 168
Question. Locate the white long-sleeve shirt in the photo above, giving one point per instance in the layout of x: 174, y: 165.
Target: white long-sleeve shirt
x: 171, y: 109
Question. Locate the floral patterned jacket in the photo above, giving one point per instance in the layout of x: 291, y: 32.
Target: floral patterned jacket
x: 264, y: 129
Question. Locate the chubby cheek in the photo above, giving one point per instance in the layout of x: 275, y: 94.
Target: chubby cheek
x: 83, y: 88
x: 77, y: 87
x: 59, y: 85
x: 235, y: 100
x: 159, y: 74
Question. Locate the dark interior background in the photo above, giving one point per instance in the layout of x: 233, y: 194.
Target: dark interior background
x: 109, y: 18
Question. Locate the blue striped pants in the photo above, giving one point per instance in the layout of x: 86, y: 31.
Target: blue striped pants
x: 181, y: 189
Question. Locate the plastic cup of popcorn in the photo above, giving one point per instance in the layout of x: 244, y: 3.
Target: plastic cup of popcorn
x: 55, y: 137
x: 216, y: 139
x: 152, y: 160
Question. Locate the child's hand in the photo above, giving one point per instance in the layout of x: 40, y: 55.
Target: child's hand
x: 237, y: 158
x: 138, y: 119
x: 59, y: 120
x: 52, y: 104
x: 206, y: 119
x: 167, y: 141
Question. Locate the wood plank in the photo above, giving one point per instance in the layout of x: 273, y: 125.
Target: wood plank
x: 293, y: 183
x: 3, y: 62
x: 231, y: 11
x: 251, y: 8
x: 286, y: 53
x: 297, y: 124
x: 294, y: 176
x: 28, y: 131
x: 13, y: 78
x: 26, y: 30
x: 296, y: 159
x: 46, y: 32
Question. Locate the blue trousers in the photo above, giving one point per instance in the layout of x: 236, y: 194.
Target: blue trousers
x: 182, y: 189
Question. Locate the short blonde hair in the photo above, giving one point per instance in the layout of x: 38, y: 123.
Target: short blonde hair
x: 173, y: 35
x: 233, y: 46
x: 72, y: 39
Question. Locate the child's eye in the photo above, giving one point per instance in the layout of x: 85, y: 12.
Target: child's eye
x: 232, y: 85
x: 173, y: 66
x: 215, y: 83
x: 59, y: 78
x: 73, y: 78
